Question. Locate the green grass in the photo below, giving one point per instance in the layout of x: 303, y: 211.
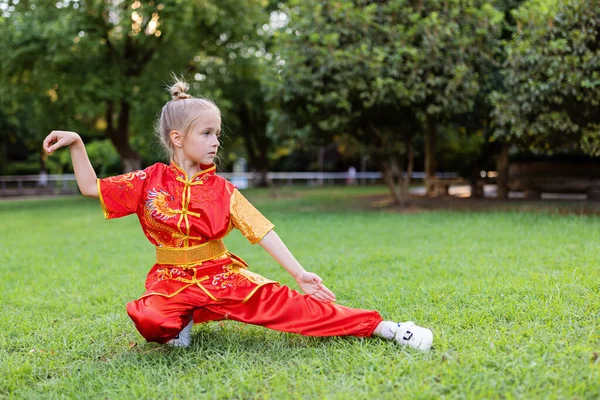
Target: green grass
x: 513, y: 299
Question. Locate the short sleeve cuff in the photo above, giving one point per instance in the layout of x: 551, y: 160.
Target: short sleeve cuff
x: 267, y: 228
x: 253, y: 225
x: 102, y: 204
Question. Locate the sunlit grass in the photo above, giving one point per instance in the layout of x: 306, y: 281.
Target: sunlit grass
x: 513, y: 299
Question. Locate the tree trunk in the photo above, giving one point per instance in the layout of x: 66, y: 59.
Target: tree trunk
x: 405, y: 181
x: 489, y: 150
x: 262, y: 162
x: 430, y: 161
x: 392, y: 176
x: 256, y: 142
x: 502, y: 167
x: 476, y: 187
x: 119, y: 136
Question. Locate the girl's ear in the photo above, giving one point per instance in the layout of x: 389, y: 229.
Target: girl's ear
x: 176, y: 138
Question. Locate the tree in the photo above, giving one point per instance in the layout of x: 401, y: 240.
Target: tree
x: 384, y: 71
x: 98, y: 65
x: 478, y: 122
x: 234, y: 73
x: 455, y: 44
x: 552, y: 78
x: 328, y: 78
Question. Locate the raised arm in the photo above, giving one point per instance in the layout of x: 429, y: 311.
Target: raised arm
x: 309, y: 282
x: 84, y: 172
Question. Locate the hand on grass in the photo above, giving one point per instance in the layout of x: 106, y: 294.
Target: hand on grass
x: 57, y: 139
x: 312, y: 285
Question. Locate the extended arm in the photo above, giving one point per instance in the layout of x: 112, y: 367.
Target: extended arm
x: 309, y: 283
x: 84, y: 172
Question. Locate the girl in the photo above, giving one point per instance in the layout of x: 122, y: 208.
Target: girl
x: 186, y: 210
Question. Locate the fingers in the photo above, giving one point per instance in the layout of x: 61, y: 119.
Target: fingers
x: 57, y: 139
x: 327, y: 292
x: 49, y: 139
x: 318, y: 296
x: 59, y: 143
x: 326, y: 297
x: 322, y: 293
x: 55, y: 136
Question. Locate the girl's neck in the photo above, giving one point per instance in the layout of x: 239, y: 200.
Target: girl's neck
x: 190, y: 167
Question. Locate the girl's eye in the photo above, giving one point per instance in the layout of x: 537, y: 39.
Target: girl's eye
x: 206, y: 133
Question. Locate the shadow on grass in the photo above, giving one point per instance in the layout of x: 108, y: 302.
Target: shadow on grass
x: 247, y: 344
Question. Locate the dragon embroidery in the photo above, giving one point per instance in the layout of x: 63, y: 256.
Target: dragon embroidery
x: 158, y: 205
x: 157, y: 209
x: 128, y: 177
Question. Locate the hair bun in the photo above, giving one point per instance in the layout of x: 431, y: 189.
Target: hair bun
x: 179, y: 90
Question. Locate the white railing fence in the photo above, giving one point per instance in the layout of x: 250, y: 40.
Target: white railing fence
x: 23, y: 185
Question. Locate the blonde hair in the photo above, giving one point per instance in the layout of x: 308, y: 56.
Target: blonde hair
x: 180, y: 113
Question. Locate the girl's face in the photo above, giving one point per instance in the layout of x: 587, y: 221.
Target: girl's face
x: 202, y: 141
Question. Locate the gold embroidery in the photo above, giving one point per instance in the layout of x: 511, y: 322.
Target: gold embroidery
x: 161, y: 228
x: 128, y: 177
x: 257, y: 279
x: 158, y: 205
x: 196, y: 175
x: 237, y: 275
x: 197, y: 179
x: 255, y: 289
x: 164, y: 274
x: 253, y: 225
x: 253, y: 277
x: 185, y: 209
x: 209, y: 294
x: 167, y: 295
x: 228, y: 279
x: 181, y: 235
x: 194, y: 282
x: 185, y: 204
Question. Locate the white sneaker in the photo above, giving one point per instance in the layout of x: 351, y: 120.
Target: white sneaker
x: 184, y: 338
x: 409, y: 334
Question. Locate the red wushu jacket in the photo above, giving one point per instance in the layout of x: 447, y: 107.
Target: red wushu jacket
x: 186, y: 218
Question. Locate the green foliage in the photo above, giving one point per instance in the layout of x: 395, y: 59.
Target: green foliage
x: 378, y: 74
x: 552, y: 78
x: 377, y: 70
x: 233, y: 75
x: 456, y: 148
x: 512, y: 299
x: 103, y: 157
x: 88, y: 66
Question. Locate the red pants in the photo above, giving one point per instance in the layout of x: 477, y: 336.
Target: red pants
x: 160, y: 319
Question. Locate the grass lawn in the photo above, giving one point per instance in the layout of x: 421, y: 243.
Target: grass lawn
x: 513, y: 299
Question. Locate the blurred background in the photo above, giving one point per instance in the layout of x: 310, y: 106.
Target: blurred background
x: 470, y: 98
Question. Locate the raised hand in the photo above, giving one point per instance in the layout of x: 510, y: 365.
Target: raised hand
x: 312, y: 285
x: 57, y: 139
x: 84, y: 172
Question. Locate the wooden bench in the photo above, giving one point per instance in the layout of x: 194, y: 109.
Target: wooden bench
x: 537, y: 177
x: 441, y: 186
